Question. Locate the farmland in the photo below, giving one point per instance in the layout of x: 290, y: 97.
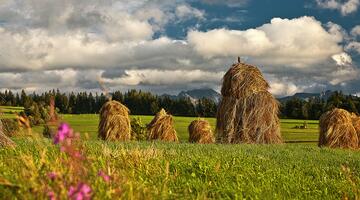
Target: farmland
x: 160, y: 170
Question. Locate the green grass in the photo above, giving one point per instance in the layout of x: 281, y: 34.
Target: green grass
x: 156, y: 170
x: 9, y: 111
x: 88, y: 124
x: 188, y: 171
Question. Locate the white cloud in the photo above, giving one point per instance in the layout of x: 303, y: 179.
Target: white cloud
x: 346, y: 8
x: 281, y: 42
x: 165, y: 77
x: 355, y: 31
x: 343, y: 74
x: 342, y: 59
x: 185, y: 11
x: 284, y: 89
x: 353, y: 46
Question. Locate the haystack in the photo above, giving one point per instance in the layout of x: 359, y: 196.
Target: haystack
x: 200, y: 132
x: 114, y: 122
x: 356, y: 123
x: 247, y: 113
x: 337, y: 130
x: 162, y: 127
x: 4, y: 140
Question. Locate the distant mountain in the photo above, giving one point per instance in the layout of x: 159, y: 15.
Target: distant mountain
x: 306, y: 96
x: 197, y: 94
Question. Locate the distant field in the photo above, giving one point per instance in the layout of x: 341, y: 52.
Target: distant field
x: 9, y: 111
x: 88, y: 123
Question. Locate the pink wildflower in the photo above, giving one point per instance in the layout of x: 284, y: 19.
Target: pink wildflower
x: 82, y: 192
x: 64, y: 131
x: 104, y: 176
x: 52, y: 175
x: 51, y: 195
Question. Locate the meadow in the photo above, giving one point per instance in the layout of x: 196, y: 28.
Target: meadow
x: 88, y: 123
x: 297, y: 169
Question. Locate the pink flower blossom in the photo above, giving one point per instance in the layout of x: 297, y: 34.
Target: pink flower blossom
x: 77, y: 154
x: 64, y: 131
x: 81, y: 192
x: 51, y: 195
x: 104, y: 176
x: 52, y: 175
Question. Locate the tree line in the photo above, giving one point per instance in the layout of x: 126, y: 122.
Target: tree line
x: 314, y: 107
x: 139, y: 102
x: 146, y: 103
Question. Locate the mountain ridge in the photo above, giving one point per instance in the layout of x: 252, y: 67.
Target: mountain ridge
x: 196, y: 94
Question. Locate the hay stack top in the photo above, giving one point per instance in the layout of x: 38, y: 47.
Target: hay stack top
x: 242, y: 80
x: 113, y: 108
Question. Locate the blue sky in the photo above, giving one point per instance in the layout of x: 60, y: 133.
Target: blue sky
x: 174, y: 45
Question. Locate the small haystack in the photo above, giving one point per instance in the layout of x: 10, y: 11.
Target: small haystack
x: 114, y: 122
x: 4, y: 140
x: 356, y: 123
x: 337, y: 130
x: 162, y: 127
x: 201, y: 132
x: 247, y: 113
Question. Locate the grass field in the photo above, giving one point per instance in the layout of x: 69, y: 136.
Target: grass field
x: 88, y: 124
x: 157, y: 170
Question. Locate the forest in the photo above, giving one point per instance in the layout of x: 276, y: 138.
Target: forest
x: 145, y: 103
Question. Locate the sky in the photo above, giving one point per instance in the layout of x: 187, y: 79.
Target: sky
x: 173, y: 45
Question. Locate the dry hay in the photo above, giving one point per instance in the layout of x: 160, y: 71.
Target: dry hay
x: 252, y: 120
x: 247, y: 113
x: 200, y: 132
x: 356, y: 123
x: 4, y: 140
x: 162, y: 127
x: 242, y: 80
x: 114, y: 122
x: 337, y: 130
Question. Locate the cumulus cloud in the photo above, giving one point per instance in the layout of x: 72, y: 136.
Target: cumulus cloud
x: 342, y: 59
x: 281, y: 42
x: 354, y: 44
x: 185, y: 11
x: 165, y: 77
x: 69, y: 44
x: 346, y: 7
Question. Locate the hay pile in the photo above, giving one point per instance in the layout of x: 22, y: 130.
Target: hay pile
x: 162, y: 127
x: 200, y: 132
x: 247, y: 113
x: 114, y: 122
x: 337, y: 130
x: 356, y: 124
x: 4, y: 140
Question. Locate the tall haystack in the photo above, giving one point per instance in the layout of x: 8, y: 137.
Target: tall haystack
x: 162, y: 127
x: 337, y: 130
x: 200, y: 132
x: 247, y: 113
x: 4, y: 140
x: 114, y: 122
x: 356, y: 123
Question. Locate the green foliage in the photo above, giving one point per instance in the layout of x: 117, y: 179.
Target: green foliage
x: 155, y: 170
x: 38, y: 113
x: 48, y: 131
x: 138, y: 129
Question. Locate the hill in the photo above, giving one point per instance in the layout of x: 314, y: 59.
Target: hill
x: 197, y: 94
